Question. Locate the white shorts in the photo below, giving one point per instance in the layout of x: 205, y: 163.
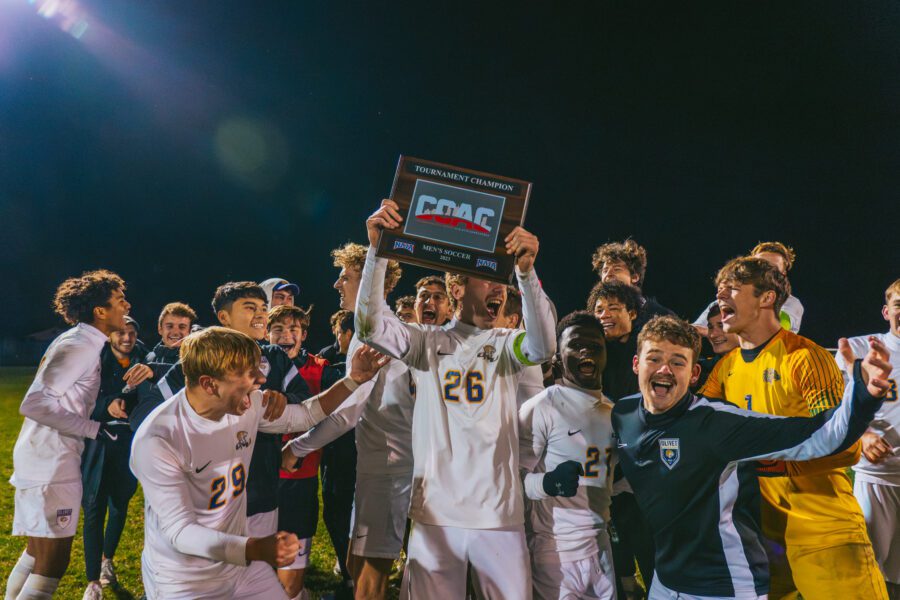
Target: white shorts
x: 439, y: 556
x: 302, y: 560
x: 880, y: 506
x: 47, y: 511
x: 256, y: 582
x: 380, y: 508
x: 660, y: 592
x: 591, y: 577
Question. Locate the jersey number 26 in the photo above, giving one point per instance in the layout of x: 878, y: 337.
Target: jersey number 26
x: 474, y: 388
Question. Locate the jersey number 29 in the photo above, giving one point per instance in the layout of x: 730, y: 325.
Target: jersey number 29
x: 220, y: 484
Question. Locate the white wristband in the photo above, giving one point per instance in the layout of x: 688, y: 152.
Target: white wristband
x: 351, y: 385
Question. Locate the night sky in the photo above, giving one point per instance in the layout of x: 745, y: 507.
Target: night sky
x: 184, y: 144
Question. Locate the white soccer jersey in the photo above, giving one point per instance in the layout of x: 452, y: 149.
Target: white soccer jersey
x: 887, y: 419
x: 465, y: 425
x: 194, y: 473
x: 57, y: 409
x: 566, y: 422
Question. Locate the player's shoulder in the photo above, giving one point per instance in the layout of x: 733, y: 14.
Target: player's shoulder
x: 540, y: 401
x: 163, y: 422
x: 629, y: 405
x: 801, y: 350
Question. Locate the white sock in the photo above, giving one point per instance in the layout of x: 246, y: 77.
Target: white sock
x: 38, y: 587
x: 19, y: 574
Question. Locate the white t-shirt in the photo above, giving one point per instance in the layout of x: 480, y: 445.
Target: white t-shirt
x: 887, y: 419
x: 194, y: 473
x: 562, y: 423
x: 57, y: 409
x: 465, y: 424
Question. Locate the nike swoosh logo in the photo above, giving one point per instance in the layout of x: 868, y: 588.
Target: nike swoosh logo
x: 574, y: 432
x: 362, y: 536
x: 198, y: 469
x: 112, y: 436
x: 444, y: 353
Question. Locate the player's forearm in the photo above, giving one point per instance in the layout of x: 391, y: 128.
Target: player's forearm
x: 306, y: 415
x: 43, y: 406
x: 334, y: 426
x: 841, y: 460
x: 539, y: 341
x: 196, y: 540
x: 534, y: 486
x: 149, y: 397
x: 386, y: 335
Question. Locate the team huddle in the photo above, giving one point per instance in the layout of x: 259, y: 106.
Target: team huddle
x: 505, y: 452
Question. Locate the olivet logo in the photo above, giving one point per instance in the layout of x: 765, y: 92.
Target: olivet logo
x: 455, y: 215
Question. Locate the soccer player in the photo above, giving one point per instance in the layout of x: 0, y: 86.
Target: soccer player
x: 107, y: 481
x: 174, y: 325
x: 616, y: 303
x: 193, y: 458
x: 813, y: 526
x: 782, y: 258
x: 57, y: 409
x: 342, y: 329
x: 565, y: 431
x: 403, y: 308
x: 466, y: 500
x: 280, y: 291
x: 877, y: 482
x: 627, y: 262
x: 721, y: 342
x: 689, y: 461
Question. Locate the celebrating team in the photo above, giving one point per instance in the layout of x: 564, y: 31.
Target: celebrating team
x: 529, y: 458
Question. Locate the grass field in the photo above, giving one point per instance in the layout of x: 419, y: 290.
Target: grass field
x: 13, y: 383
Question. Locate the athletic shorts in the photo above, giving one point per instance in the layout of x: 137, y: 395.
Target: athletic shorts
x: 880, y: 505
x: 380, y: 508
x: 591, y: 577
x: 302, y: 560
x: 298, y: 506
x: 845, y: 571
x: 49, y: 511
x: 255, y: 582
x: 660, y: 592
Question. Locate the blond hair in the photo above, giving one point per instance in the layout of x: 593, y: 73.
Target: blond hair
x: 454, y: 279
x: 216, y: 352
x: 353, y: 256
x: 786, y: 252
x: 894, y: 288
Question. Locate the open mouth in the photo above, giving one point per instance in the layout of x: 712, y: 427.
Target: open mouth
x: 287, y: 347
x: 587, y: 367
x: 727, y: 312
x: 661, y: 387
x: 428, y: 315
x: 493, y: 307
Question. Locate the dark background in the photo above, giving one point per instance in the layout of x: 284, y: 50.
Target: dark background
x: 184, y: 144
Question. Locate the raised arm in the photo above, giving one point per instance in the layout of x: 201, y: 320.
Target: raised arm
x: 538, y: 342
x: 745, y: 435
x: 42, y: 402
x: 533, y: 429
x: 156, y: 465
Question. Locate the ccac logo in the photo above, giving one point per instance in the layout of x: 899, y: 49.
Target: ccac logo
x: 669, y: 451
x: 455, y: 215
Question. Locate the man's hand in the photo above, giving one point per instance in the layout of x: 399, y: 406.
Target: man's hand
x: 563, y: 480
x: 289, y: 461
x: 386, y: 217
x: 524, y: 246
x: 366, y: 363
x: 876, y: 366
x: 116, y: 409
x: 874, y: 448
x: 136, y: 375
x: 274, y: 403
x: 278, y: 550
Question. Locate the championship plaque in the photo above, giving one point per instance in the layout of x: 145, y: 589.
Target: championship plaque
x: 455, y: 219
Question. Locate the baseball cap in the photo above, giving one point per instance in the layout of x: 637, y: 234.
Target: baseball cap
x: 277, y: 284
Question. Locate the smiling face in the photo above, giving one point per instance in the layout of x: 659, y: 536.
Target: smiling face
x: 618, y: 270
x: 720, y: 341
x: 582, y: 352
x: 122, y: 342
x: 665, y: 371
x: 432, y: 306
x: 479, y: 301
x: 173, y: 329
x: 347, y: 285
x: 247, y: 315
x: 111, y: 317
x: 280, y: 297
x: 740, y: 307
x: 617, y: 320
x: 289, y: 334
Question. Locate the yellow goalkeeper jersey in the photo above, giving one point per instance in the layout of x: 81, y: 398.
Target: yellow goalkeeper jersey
x: 791, y: 376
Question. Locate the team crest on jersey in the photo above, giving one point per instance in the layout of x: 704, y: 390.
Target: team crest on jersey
x: 243, y: 440
x: 488, y: 353
x: 669, y: 451
x: 264, y: 366
x: 771, y: 376
x: 64, y: 517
